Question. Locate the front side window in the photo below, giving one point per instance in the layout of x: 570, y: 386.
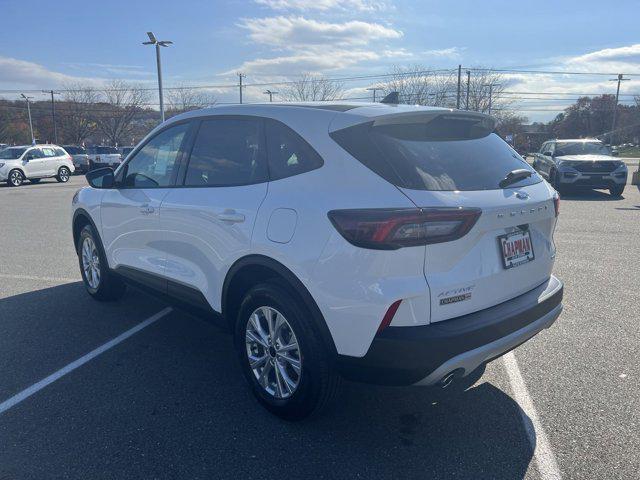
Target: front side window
x: 288, y: 153
x: 155, y: 164
x: 227, y: 152
x: 34, y: 153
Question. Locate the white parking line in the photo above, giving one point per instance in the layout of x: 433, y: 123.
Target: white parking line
x: 545, y: 459
x: 40, y: 279
x: 26, y: 393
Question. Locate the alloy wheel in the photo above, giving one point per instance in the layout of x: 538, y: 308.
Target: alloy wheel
x: 16, y: 178
x: 63, y: 174
x: 91, y: 263
x: 273, y: 352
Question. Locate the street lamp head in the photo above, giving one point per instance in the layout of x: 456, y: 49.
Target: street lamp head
x: 165, y: 43
x: 152, y: 37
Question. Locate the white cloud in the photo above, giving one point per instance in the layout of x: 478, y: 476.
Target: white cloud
x: 307, y: 62
x: 323, y: 5
x: 295, y: 32
x: 29, y: 75
x: 618, y: 59
x: 452, y: 53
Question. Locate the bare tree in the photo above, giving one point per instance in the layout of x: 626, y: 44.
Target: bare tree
x: 486, y: 89
x: 420, y: 85
x: 183, y: 98
x: 115, y: 114
x: 76, y: 111
x: 312, y: 87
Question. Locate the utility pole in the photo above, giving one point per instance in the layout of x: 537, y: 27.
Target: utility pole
x: 459, y: 79
x: 53, y: 113
x: 240, y: 77
x: 158, y: 44
x: 468, y: 87
x: 270, y: 93
x: 33, y: 139
x: 490, y: 85
x: 615, y: 107
x: 374, y: 90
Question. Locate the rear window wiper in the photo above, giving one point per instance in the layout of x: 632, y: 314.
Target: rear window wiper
x: 514, y: 176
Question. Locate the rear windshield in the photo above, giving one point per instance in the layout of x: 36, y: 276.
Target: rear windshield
x: 106, y: 150
x: 581, y: 148
x: 411, y: 156
x: 11, y: 153
x: 75, y: 150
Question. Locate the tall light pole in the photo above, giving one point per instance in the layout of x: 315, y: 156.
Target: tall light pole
x: 468, y: 87
x: 33, y: 139
x: 271, y: 94
x: 491, y: 85
x: 158, y: 44
x: 240, y: 77
x: 53, y: 113
x: 374, y: 90
x: 615, y: 107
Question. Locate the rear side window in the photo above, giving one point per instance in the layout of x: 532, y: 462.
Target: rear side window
x: 288, y: 153
x: 412, y: 156
x: 106, y: 150
x: 48, y: 152
x: 227, y: 152
x: 60, y: 152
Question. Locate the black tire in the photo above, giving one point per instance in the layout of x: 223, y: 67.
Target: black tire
x: 318, y: 380
x: 617, y: 190
x: 109, y: 287
x: 64, y: 174
x: 16, y: 178
x: 35, y: 180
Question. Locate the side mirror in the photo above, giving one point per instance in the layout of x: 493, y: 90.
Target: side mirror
x: 101, y: 178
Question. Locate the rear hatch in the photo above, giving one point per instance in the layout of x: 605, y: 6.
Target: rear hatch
x: 452, y: 160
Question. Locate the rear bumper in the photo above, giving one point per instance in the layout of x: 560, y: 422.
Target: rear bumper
x: 423, y: 355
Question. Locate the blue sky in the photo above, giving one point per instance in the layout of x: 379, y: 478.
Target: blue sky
x: 49, y: 45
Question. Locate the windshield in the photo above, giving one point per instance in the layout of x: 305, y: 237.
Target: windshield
x: 581, y: 148
x: 406, y: 157
x: 11, y: 153
x: 107, y: 150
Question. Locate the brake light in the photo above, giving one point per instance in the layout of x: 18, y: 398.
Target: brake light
x: 390, y: 229
x: 556, y: 203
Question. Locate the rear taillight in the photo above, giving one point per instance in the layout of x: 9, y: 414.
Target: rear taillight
x: 556, y: 203
x: 390, y: 229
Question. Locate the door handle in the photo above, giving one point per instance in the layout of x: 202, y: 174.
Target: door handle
x: 147, y: 209
x: 230, y: 216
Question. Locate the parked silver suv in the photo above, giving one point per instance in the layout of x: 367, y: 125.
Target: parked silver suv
x: 34, y: 163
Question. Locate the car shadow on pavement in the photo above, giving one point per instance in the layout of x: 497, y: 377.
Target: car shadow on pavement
x: 170, y: 402
x: 589, y: 195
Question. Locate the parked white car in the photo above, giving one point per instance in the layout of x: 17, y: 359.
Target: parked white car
x: 388, y: 244
x: 34, y: 163
x: 103, y: 156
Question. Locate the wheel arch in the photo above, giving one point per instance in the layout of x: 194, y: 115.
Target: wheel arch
x: 254, y: 269
x: 81, y: 218
x: 21, y: 170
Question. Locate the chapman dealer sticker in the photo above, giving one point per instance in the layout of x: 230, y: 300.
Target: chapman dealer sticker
x: 455, y: 295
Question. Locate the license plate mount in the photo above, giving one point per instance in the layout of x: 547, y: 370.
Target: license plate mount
x: 516, y: 248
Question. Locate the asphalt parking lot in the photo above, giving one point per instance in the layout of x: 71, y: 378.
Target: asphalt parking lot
x: 170, y: 402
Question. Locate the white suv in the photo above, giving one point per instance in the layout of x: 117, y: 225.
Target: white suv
x: 34, y: 163
x: 389, y: 244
